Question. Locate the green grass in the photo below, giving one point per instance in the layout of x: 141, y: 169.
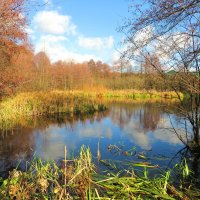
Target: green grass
x: 45, y: 180
x: 79, y: 179
x: 130, y: 94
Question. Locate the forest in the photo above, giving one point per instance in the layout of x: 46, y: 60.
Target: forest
x: 22, y: 71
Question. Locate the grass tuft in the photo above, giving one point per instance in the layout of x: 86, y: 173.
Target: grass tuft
x: 78, y: 179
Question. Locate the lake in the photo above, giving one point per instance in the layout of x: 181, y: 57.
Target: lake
x: 133, y: 132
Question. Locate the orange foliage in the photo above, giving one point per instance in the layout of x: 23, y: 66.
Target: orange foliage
x: 13, y: 39
x: 12, y: 24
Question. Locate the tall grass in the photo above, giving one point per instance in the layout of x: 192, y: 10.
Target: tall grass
x: 142, y: 94
x: 130, y: 94
x: 45, y: 180
x: 25, y: 105
x: 78, y: 179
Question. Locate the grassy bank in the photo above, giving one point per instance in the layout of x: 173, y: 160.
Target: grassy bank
x: 130, y: 94
x: 15, y: 110
x: 26, y: 105
x: 78, y: 179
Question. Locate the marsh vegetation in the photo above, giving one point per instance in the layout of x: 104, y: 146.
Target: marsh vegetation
x: 80, y: 179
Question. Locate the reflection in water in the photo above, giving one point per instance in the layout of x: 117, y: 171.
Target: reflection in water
x: 132, y: 124
x: 144, y: 124
x: 14, y: 147
x: 147, y: 115
x: 150, y: 120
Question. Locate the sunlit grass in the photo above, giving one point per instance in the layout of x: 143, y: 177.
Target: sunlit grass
x: 130, y: 94
x: 18, y: 109
x: 79, y: 179
x: 143, y: 94
x: 26, y: 105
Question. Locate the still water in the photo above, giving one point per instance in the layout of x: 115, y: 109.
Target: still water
x: 139, y: 129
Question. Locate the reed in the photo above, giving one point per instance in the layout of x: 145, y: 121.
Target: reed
x: 45, y: 180
x: 130, y: 94
x: 23, y: 106
x: 142, y: 94
x: 78, y: 179
x: 26, y: 105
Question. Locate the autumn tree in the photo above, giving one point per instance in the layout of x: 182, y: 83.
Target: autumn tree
x: 12, y: 36
x: 23, y: 69
x: 5, y: 57
x: 151, y: 68
x: 12, y: 24
x: 42, y: 63
x: 171, y: 28
x: 92, y: 65
x: 60, y: 75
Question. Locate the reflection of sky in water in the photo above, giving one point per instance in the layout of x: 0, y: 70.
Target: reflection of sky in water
x: 132, y: 126
x: 139, y: 126
x: 50, y: 142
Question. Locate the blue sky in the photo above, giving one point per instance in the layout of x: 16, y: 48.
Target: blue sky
x: 78, y: 30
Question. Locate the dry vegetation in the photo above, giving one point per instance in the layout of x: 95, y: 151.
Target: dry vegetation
x: 27, y: 105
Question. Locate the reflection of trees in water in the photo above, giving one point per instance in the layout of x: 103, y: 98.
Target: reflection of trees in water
x: 151, y: 117
x: 142, y: 118
x: 121, y: 114
x: 185, y: 121
x: 60, y: 120
x: 187, y: 117
x: 14, y: 147
x: 19, y: 143
x: 147, y: 115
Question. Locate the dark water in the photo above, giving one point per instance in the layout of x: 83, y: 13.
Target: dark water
x: 140, y: 128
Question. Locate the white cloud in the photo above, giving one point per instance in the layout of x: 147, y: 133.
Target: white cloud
x: 143, y: 36
x: 167, y: 46
x: 96, y: 43
x: 56, y: 34
x: 138, y: 136
x: 53, y: 38
x: 29, y: 30
x: 100, y: 132
x: 57, y: 48
x: 115, y: 56
x: 51, y: 22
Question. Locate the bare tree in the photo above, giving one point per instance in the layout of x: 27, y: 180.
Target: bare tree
x: 122, y: 65
x: 171, y: 29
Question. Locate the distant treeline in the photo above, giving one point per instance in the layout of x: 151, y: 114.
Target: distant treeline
x: 28, y: 72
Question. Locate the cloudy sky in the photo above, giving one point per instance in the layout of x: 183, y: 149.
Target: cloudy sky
x: 78, y: 30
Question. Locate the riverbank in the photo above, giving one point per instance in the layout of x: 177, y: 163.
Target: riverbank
x: 26, y: 105
x: 130, y: 94
x: 78, y: 178
x: 19, y: 108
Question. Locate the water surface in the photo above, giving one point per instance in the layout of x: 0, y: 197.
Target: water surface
x: 140, y: 129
